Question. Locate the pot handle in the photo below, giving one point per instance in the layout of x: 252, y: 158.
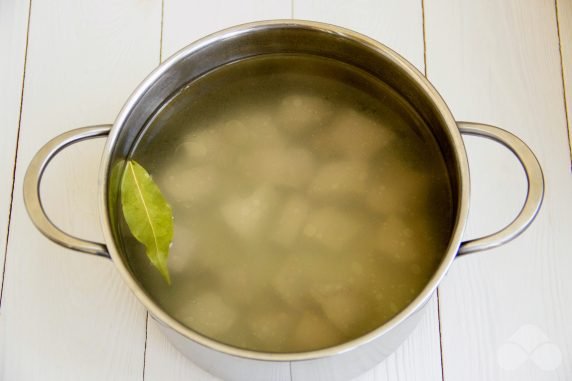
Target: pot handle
x: 32, y: 181
x: 534, y: 193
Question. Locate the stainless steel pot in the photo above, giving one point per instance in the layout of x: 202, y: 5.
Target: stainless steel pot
x: 286, y: 36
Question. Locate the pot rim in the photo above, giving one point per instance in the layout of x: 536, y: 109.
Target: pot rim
x: 422, y: 298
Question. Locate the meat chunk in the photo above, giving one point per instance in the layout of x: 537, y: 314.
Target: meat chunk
x: 314, y: 332
x: 400, y: 240
x: 357, y: 136
x: 291, y: 220
x: 183, y: 249
x: 206, y: 145
x: 302, y: 113
x: 339, y: 179
x: 290, y: 281
x: 346, y: 310
x: 289, y: 167
x: 192, y: 185
x: 399, y: 191
x: 208, y: 314
x: 331, y: 227
x: 247, y: 215
x: 252, y: 128
x: 271, y: 327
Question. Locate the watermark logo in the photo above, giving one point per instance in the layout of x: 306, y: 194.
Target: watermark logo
x: 529, y: 343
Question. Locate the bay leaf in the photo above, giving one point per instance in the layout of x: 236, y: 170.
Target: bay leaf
x: 148, y: 215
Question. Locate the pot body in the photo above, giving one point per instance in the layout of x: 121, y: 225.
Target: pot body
x: 283, y: 37
x: 287, y: 37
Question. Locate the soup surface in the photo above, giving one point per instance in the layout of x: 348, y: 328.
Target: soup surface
x: 311, y: 204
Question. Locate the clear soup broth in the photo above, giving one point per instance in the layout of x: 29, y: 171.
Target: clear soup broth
x: 311, y: 203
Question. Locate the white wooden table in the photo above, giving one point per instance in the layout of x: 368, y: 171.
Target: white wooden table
x: 501, y: 315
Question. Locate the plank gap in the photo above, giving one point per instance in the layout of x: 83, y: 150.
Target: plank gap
x: 440, y: 336
x: 145, y: 345
x: 424, y: 37
x: 563, y: 81
x: 15, y: 154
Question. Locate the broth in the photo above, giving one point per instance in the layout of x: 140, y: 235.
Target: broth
x: 311, y: 203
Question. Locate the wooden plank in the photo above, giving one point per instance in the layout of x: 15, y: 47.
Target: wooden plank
x: 66, y: 315
x: 564, y: 13
x: 502, y: 312
x: 185, y: 22
x: 419, y: 357
x: 13, y: 32
x: 397, y: 24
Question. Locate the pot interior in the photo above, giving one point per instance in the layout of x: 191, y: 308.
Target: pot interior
x: 134, y: 128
